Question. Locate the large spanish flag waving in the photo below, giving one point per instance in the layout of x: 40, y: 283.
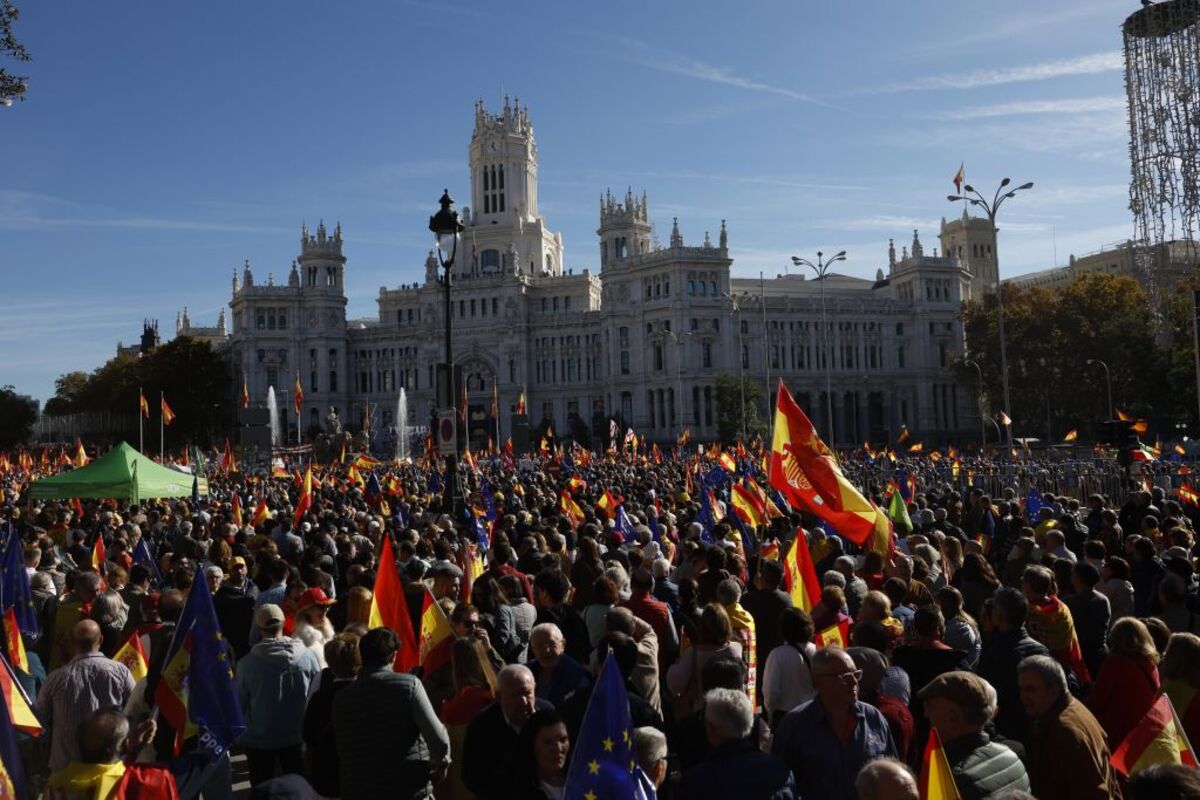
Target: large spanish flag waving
x: 437, y: 637
x: 390, y: 608
x: 305, y: 501
x: 806, y: 472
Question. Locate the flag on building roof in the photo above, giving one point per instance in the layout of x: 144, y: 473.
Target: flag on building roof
x: 1159, y: 738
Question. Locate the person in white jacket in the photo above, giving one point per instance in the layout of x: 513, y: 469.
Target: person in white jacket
x: 787, y: 678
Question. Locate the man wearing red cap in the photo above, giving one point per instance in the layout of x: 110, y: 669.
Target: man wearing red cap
x: 313, y: 628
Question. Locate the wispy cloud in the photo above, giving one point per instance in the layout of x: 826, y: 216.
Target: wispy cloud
x: 31, y: 211
x: 1080, y: 105
x: 672, y: 63
x: 1092, y: 64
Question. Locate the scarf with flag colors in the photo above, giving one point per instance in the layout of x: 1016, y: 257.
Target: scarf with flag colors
x: 937, y: 780
x: 196, y: 693
x: 604, y: 761
x: 1050, y: 623
x: 389, y: 608
x: 1159, y: 738
x: 806, y: 472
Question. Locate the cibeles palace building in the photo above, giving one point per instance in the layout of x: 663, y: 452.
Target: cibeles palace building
x: 640, y: 337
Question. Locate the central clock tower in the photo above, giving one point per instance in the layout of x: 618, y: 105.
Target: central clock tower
x: 506, y: 234
x: 503, y: 159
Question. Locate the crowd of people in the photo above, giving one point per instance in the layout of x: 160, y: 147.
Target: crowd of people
x: 1031, y: 640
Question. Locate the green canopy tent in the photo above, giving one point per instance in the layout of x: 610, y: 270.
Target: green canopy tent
x: 121, y: 474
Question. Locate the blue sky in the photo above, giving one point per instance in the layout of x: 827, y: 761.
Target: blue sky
x: 162, y: 144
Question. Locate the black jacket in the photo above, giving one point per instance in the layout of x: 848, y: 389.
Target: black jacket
x: 487, y: 751
x: 1002, y: 652
x: 738, y: 769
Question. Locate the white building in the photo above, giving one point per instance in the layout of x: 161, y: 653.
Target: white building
x: 619, y: 341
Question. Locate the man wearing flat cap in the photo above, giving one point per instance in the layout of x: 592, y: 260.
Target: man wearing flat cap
x: 959, y: 705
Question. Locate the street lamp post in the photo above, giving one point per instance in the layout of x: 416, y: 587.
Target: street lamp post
x: 736, y: 307
x: 821, y: 268
x: 678, y: 339
x: 446, y: 227
x: 1107, y: 381
x: 991, y: 209
x: 982, y: 420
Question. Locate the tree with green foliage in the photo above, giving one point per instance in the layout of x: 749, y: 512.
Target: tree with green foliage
x: 12, y: 87
x: 196, y: 381
x: 1051, y: 334
x: 729, y: 398
x: 17, y: 415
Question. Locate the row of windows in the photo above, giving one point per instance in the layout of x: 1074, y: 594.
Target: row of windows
x: 703, y: 287
x: 271, y: 319
x: 551, y: 304
x: 408, y: 316
x: 475, y: 307
x: 385, y: 380
x: 312, y: 274
x: 656, y: 287
x: 567, y: 370
x: 388, y: 353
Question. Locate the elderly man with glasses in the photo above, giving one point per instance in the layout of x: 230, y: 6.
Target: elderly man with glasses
x: 828, y: 739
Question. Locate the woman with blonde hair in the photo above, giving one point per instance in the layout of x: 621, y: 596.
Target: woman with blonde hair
x: 877, y: 607
x: 1128, y: 681
x: 1180, y: 672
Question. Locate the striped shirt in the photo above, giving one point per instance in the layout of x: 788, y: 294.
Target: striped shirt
x: 72, y: 693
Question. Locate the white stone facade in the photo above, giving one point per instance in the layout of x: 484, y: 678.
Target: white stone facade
x: 619, y: 341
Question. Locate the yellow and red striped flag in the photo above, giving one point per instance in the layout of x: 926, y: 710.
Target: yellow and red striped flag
x: 389, y: 608
x: 1071, y: 436
x: 800, y: 574
x: 937, y: 781
x: 168, y: 415
x: 245, y: 393
x: 81, y: 456
x: 14, y: 644
x: 261, y: 514
x: 1158, y: 739
x: 305, y: 501
x: 20, y: 709
x: 237, y: 509
x: 834, y: 636
x: 298, y: 395
x: 143, y: 406
x: 133, y: 655
x: 437, y: 637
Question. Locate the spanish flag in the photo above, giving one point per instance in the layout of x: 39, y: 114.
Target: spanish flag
x: 143, y: 406
x: 20, y: 710
x: 1071, y: 436
x: 727, y: 462
x: 228, y: 462
x: 937, y: 781
x: 569, y: 507
x: 917, y: 448
x: 800, y: 575
x: 1123, y: 417
x: 261, y: 514
x: 245, y: 393
x: 1189, y: 495
x: 133, y: 655
x: 305, y: 501
x: 437, y: 637
x: 608, y: 504
x: 237, y: 509
x: 576, y: 484
x: 904, y: 434
x: 390, y: 608
x: 748, y: 507
x: 14, y: 644
x: 298, y: 395
x: 99, y: 556
x: 807, y: 473
x: 834, y: 636
x: 958, y: 178
x: 168, y: 415
x: 81, y: 456
x: 521, y: 402
x: 1158, y: 739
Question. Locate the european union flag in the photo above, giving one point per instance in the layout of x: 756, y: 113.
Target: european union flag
x: 604, y: 764
x: 1033, y: 504
x: 717, y: 476
x: 489, y: 501
x: 655, y: 531
x: 906, y: 487
x: 209, y: 692
x: 14, y: 585
x: 481, y: 535
x: 374, y: 490
x: 142, y: 555
x: 622, y: 522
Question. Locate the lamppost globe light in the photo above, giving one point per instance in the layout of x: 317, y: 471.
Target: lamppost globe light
x: 1005, y: 182
x: 968, y: 187
x: 1028, y: 185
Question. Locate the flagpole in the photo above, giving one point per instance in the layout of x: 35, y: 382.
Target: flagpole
x: 141, y: 436
x: 162, y: 422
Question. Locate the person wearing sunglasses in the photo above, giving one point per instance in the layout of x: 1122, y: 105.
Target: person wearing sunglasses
x: 828, y: 739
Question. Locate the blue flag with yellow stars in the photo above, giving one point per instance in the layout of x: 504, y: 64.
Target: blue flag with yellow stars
x: 14, y: 585
x: 604, y: 764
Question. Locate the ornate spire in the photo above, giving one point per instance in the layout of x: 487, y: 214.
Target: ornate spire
x: 676, y: 236
x: 247, y: 274
x: 917, y: 250
x: 891, y: 252
x: 723, y: 240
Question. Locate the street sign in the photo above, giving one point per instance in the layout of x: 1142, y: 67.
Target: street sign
x: 447, y: 431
